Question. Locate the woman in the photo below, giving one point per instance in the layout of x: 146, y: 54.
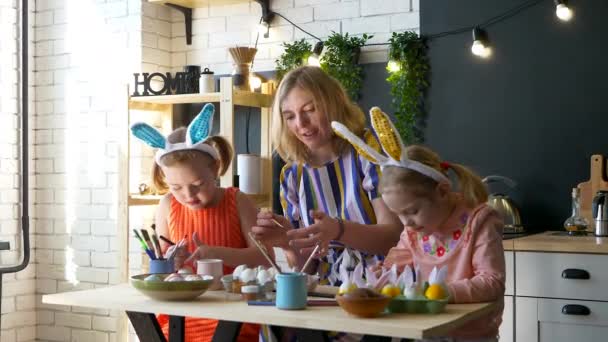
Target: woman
x: 328, y: 191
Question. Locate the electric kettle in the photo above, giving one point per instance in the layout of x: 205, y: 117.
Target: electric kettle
x: 600, y: 213
x: 505, y: 205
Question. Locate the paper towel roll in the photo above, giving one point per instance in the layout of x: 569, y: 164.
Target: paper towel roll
x: 249, y: 171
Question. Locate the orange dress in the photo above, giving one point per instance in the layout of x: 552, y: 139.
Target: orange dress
x: 216, y: 226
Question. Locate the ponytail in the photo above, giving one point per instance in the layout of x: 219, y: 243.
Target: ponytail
x: 224, y: 150
x: 471, y: 186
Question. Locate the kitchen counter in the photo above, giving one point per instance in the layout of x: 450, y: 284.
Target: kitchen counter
x: 553, y: 241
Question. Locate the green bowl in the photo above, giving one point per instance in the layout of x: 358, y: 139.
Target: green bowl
x: 400, y: 304
x: 165, y: 290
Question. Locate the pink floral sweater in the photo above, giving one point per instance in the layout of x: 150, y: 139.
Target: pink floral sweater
x: 471, y: 247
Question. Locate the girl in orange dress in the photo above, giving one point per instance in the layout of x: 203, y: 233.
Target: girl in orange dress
x: 216, y: 220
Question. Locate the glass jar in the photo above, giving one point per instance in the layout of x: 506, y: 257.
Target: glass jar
x: 576, y: 224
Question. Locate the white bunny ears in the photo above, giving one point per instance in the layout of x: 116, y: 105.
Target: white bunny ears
x: 196, y: 135
x: 391, y: 144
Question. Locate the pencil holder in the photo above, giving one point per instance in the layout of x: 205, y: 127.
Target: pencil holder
x: 161, y: 266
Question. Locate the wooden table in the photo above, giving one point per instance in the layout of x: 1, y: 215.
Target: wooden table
x: 232, y: 312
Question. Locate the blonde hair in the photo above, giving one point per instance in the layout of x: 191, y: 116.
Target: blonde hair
x: 470, y: 185
x: 220, y: 144
x: 329, y: 97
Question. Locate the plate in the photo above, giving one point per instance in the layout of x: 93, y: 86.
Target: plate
x: 167, y: 291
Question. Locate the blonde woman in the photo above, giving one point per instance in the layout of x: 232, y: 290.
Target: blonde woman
x: 328, y: 191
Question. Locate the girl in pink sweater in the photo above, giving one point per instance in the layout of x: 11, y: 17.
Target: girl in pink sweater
x: 444, y: 223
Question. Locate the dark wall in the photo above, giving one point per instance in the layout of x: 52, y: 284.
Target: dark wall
x: 534, y: 111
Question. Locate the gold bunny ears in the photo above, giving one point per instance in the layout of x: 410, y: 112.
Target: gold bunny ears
x: 391, y: 144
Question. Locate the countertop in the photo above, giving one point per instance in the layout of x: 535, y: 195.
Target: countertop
x: 554, y: 241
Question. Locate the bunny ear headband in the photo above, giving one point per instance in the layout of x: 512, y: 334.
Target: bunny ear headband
x: 196, y: 135
x: 391, y: 144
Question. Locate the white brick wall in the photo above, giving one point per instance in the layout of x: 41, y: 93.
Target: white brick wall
x: 223, y: 26
x: 79, y: 103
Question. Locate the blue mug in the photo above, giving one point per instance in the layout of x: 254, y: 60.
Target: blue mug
x: 291, y: 291
x: 161, y: 266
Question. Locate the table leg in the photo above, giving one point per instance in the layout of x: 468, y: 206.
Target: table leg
x: 227, y: 331
x: 146, y: 326
x: 177, y: 330
x: 306, y: 335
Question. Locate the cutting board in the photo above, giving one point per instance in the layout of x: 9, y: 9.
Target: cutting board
x: 597, y: 181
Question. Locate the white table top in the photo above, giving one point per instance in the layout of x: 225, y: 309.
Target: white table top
x: 222, y: 306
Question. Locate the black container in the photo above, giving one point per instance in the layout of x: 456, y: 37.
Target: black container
x: 191, y: 79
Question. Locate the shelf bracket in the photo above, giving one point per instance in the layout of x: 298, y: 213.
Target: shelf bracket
x: 267, y: 14
x: 187, y: 19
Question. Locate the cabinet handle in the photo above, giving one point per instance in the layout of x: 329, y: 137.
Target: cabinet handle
x: 575, y: 309
x: 575, y: 273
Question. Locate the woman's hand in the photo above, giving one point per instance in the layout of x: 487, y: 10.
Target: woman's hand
x: 179, y: 254
x: 324, y: 230
x: 272, y: 229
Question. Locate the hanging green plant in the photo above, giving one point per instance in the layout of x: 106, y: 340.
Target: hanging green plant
x: 294, y: 56
x: 341, y: 60
x: 409, y: 68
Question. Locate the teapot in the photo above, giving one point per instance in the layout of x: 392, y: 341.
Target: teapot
x: 505, y: 205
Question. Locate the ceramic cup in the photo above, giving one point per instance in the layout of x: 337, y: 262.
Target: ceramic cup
x: 291, y: 291
x: 161, y: 266
x: 212, y: 267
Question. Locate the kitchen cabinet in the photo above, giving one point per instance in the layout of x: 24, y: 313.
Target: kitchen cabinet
x: 506, y: 329
x: 560, y: 297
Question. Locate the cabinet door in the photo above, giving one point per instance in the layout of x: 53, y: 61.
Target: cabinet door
x: 526, y: 319
x: 506, y: 328
x: 509, y: 273
x: 572, y: 320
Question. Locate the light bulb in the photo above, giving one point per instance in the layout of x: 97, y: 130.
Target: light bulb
x: 480, y: 41
x: 264, y: 29
x: 393, y: 66
x: 563, y: 12
x: 255, y: 82
x: 313, y: 60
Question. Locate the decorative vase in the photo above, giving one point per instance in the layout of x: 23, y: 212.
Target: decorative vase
x: 243, y: 59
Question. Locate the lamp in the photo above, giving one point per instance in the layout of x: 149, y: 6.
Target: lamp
x: 562, y: 11
x: 315, y: 58
x: 480, y: 45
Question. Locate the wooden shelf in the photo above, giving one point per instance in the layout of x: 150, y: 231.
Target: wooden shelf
x: 197, y: 3
x: 240, y: 98
x: 261, y: 200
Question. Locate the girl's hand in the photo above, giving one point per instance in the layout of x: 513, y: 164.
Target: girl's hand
x: 201, y: 251
x: 324, y: 230
x: 179, y: 254
x: 268, y: 231
x: 398, y: 256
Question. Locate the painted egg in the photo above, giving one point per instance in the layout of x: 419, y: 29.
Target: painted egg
x: 185, y: 270
x: 174, y: 277
x: 153, y: 277
x: 193, y: 277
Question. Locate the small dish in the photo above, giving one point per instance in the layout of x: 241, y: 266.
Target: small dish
x: 169, y: 291
x: 363, y: 307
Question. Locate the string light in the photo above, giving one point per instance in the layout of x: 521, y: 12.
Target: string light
x: 563, y: 12
x: 255, y: 82
x: 315, y: 58
x: 393, y: 66
x: 480, y: 45
x: 264, y: 28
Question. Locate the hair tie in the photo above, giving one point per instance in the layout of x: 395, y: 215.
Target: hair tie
x: 445, y: 165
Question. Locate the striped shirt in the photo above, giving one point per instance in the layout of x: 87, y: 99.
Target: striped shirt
x: 342, y: 188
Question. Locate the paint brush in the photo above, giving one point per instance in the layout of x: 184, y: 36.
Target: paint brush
x: 143, y: 245
x: 146, y: 236
x: 171, y: 243
x: 157, y: 246
x: 265, y: 253
x: 314, y: 251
